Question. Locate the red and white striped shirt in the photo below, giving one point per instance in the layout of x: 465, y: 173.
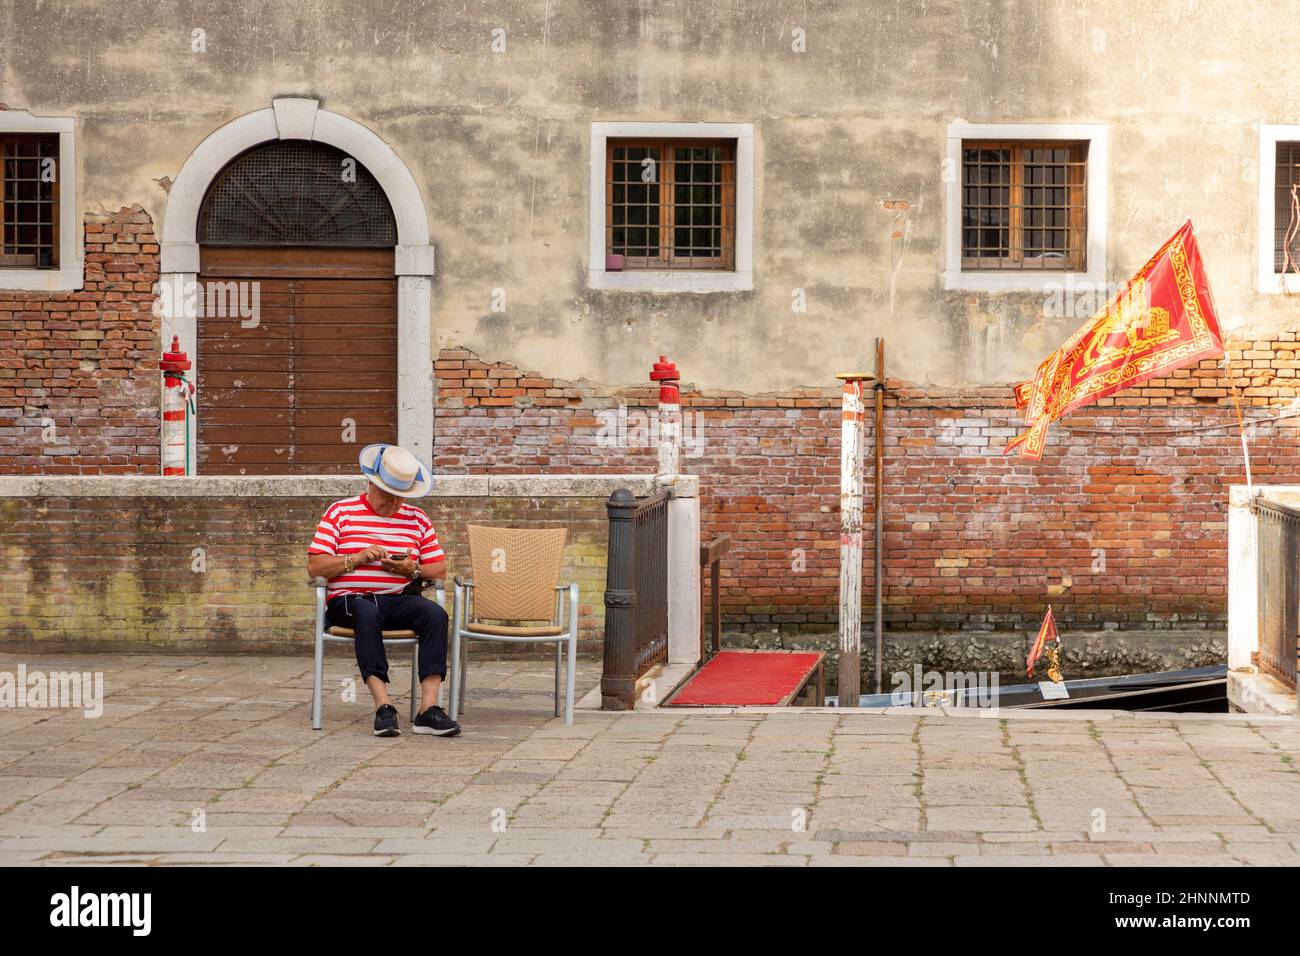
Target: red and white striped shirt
x: 351, y: 526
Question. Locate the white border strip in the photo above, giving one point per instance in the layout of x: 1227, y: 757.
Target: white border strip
x: 1268, y: 281
x: 70, y: 275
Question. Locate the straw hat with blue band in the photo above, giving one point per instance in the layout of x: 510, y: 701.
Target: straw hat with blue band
x: 396, y: 471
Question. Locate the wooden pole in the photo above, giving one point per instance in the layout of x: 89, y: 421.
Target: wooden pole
x: 1241, y: 424
x: 880, y: 512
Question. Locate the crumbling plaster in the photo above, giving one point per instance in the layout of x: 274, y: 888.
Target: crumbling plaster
x: 498, y: 142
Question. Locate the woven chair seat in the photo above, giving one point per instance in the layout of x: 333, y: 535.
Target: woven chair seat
x: 510, y: 630
x: 387, y: 635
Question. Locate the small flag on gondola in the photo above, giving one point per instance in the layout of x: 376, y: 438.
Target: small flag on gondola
x: 1161, y: 319
x: 1047, y: 632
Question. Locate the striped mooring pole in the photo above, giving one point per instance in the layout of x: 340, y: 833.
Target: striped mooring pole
x: 851, y: 441
x: 670, y: 416
x: 175, y: 405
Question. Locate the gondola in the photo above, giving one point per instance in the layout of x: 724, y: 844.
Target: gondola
x: 1197, y: 689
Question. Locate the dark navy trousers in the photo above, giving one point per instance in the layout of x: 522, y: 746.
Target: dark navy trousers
x: 370, y: 614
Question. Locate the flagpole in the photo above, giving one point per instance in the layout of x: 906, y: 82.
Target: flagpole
x: 1232, y: 382
x: 1241, y: 424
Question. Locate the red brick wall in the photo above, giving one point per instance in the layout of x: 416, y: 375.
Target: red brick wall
x: 1122, y: 524
x: 78, y: 370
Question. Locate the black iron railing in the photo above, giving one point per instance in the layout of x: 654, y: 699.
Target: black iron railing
x: 636, y: 594
x: 1277, y: 547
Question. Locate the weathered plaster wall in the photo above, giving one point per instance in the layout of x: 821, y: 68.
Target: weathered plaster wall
x: 499, y: 145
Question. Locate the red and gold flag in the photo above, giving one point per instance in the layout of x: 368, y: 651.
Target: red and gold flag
x: 1047, y: 632
x: 1161, y: 319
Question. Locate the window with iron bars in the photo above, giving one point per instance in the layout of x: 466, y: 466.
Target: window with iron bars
x: 1024, y: 205
x: 671, y: 204
x: 1286, y: 209
x: 29, y: 201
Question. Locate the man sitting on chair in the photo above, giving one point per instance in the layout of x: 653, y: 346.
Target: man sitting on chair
x: 375, y: 549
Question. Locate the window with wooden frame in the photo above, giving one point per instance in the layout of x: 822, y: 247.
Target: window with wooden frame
x: 1024, y: 205
x: 1286, y: 209
x: 29, y: 201
x: 670, y: 204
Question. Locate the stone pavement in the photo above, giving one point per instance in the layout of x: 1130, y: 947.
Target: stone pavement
x: 212, y: 760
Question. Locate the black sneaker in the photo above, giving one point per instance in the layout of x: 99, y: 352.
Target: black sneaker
x: 386, y: 722
x: 435, y: 721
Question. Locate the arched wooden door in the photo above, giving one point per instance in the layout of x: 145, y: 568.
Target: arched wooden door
x: 297, y: 327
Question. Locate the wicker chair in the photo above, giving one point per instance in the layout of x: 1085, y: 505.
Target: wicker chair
x: 515, y: 596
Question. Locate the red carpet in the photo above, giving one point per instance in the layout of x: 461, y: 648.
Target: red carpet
x: 743, y: 678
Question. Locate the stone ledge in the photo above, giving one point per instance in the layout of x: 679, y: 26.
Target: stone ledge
x: 313, y: 486
x: 1260, y: 694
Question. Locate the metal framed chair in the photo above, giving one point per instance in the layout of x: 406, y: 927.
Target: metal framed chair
x: 515, y: 596
x: 342, y: 635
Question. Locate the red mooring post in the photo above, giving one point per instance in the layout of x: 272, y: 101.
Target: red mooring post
x: 175, y: 427
x: 670, y: 416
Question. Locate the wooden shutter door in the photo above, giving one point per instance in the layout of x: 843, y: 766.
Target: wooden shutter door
x: 319, y: 365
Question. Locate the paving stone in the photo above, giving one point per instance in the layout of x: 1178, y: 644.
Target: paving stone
x: 565, y: 858
x: 141, y: 840
x: 217, y: 858
x: 229, y: 736
x: 463, y: 859
x: 1162, y: 860
x: 297, y: 846
x: 726, y: 859
x: 942, y: 849
x: 1073, y: 859
x: 1084, y: 846
x: 1021, y: 849
x: 979, y: 819
x: 340, y: 859
x: 879, y: 861
x: 853, y: 848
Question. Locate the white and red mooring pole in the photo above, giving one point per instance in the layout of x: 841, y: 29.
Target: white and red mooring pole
x: 670, y: 415
x: 175, y: 410
x: 851, y: 440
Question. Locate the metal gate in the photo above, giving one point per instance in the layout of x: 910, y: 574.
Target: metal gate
x: 1277, y: 547
x: 636, y: 595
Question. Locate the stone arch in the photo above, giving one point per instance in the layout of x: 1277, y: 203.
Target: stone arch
x: 300, y: 118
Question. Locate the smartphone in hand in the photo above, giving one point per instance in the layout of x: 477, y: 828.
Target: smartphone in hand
x: 396, y: 559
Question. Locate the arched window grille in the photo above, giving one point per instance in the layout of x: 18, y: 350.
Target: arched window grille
x: 296, y: 193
